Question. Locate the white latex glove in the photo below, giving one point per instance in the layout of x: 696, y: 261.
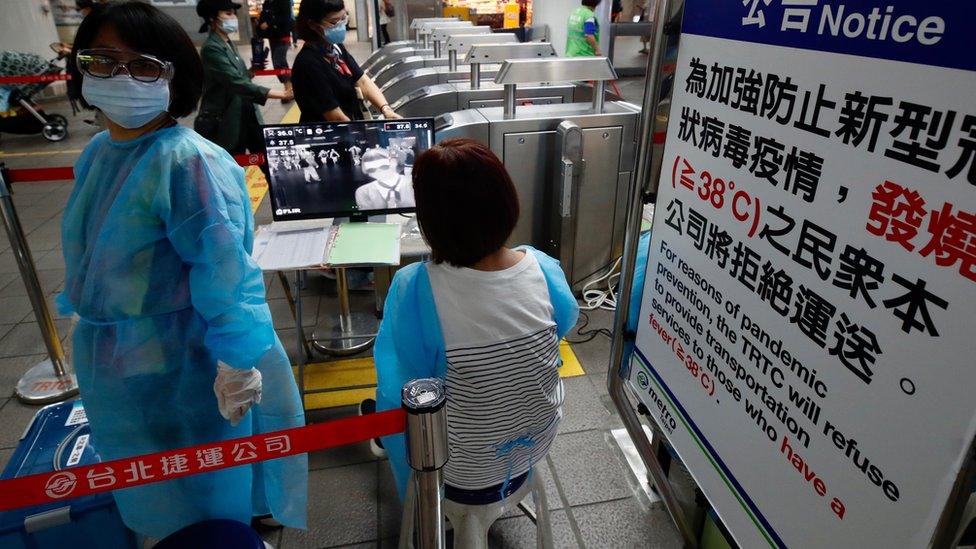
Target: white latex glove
x: 237, y: 390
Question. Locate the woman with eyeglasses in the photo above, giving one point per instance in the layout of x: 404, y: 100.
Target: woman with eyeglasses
x: 229, y: 113
x: 325, y: 77
x: 174, y: 344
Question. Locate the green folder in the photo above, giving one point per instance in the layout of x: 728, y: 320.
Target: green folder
x: 365, y: 244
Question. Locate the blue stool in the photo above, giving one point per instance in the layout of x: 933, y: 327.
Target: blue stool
x: 213, y: 533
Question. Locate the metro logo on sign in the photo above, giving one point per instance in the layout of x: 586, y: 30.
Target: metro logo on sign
x: 61, y: 485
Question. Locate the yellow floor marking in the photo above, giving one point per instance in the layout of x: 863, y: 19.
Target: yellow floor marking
x: 257, y: 185
x: 359, y: 372
x: 4, y: 154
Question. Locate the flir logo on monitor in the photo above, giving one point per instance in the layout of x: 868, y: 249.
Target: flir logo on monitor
x: 824, y: 17
x: 288, y: 211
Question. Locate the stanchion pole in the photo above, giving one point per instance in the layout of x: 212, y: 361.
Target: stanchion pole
x: 51, y: 380
x: 425, y: 403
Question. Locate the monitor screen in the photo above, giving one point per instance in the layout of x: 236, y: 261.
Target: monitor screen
x: 343, y: 169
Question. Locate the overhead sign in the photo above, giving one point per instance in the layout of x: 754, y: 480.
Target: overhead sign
x: 806, y: 338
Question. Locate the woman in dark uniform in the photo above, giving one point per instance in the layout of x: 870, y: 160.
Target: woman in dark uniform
x: 324, y: 76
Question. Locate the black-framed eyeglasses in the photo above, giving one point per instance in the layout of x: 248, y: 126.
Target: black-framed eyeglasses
x: 108, y: 62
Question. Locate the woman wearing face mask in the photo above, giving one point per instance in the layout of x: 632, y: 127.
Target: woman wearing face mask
x: 174, y: 344
x: 229, y: 114
x: 325, y: 77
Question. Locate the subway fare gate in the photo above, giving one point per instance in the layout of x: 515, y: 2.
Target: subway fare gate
x: 805, y: 339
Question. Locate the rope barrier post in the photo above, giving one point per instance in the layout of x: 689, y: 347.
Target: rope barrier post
x: 51, y: 380
x: 425, y: 403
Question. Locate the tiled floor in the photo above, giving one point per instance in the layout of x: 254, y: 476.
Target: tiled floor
x: 352, y: 500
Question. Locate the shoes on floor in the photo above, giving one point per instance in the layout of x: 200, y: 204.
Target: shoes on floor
x: 368, y: 406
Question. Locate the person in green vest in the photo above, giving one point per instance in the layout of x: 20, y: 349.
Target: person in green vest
x: 583, y: 39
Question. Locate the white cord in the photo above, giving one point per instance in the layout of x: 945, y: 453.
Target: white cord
x: 596, y: 298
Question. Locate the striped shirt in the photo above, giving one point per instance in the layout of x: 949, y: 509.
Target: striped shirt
x: 503, y: 388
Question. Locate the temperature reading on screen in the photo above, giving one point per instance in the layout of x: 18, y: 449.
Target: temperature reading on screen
x: 398, y: 126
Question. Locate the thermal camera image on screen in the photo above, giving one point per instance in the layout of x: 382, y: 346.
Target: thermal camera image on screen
x: 345, y: 168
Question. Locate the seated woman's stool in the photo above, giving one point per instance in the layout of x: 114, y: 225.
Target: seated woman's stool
x: 213, y: 533
x: 471, y: 521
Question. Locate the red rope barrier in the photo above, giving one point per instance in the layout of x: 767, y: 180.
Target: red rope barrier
x: 272, y: 72
x: 203, y: 458
x: 34, y: 175
x: 34, y: 79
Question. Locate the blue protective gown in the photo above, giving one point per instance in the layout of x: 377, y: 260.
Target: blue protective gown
x: 410, y: 343
x: 157, y: 236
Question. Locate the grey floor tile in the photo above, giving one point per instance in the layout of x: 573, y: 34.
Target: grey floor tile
x: 51, y: 281
x: 271, y: 535
x: 8, y: 262
x: 53, y: 259
x: 593, y: 355
x: 391, y: 512
x: 350, y: 454
x: 341, y: 510
x: 582, y: 409
x: 7, y: 278
x: 14, y: 418
x: 588, y: 468
x: 25, y: 339
x: 282, y: 315
x: 520, y: 532
x: 11, y: 370
x: 14, y: 309
x: 626, y: 524
x: 5, y: 455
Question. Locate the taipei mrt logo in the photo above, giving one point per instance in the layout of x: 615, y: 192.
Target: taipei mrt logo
x: 642, y: 380
x: 60, y: 485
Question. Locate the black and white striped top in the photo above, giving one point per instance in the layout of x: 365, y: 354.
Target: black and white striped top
x: 503, y: 388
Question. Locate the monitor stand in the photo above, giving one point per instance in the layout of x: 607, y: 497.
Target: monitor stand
x: 351, y: 331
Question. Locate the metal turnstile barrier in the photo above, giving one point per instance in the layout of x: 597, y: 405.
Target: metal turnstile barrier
x: 438, y: 99
x: 437, y: 57
x: 423, y: 47
x: 578, y: 217
x: 416, y: 42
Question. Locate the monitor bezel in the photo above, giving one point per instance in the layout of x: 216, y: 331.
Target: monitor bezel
x: 344, y: 213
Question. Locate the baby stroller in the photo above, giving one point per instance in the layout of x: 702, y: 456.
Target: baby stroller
x: 19, y: 114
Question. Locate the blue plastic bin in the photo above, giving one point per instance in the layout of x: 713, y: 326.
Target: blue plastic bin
x: 58, y: 438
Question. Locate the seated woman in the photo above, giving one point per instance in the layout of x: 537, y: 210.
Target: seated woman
x: 485, y: 318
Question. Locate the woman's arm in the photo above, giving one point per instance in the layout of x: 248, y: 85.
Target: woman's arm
x: 372, y: 92
x: 335, y: 115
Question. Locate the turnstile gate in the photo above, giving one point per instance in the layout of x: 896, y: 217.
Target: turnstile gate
x: 571, y: 163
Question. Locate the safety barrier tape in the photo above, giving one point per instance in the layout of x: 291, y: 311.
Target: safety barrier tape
x: 38, y: 78
x: 271, y: 72
x: 34, y: 79
x: 34, y: 175
x: 202, y: 458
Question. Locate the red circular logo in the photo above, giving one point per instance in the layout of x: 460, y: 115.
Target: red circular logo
x: 60, y: 485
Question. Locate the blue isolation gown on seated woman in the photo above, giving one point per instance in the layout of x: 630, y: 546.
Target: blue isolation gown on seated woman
x: 410, y: 343
x: 157, y: 238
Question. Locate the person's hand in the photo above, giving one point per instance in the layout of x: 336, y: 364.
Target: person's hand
x: 389, y: 113
x: 237, y: 390
x: 263, y: 26
x: 284, y: 95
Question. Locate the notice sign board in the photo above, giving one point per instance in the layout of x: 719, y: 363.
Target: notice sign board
x: 807, y: 338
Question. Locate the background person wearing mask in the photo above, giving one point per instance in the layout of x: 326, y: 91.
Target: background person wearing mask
x: 174, y: 344
x: 325, y: 77
x: 583, y: 39
x: 229, y: 112
x: 276, y: 23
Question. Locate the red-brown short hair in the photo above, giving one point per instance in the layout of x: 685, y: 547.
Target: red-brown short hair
x: 467, y: 206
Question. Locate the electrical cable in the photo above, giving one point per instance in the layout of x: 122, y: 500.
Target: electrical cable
x: 588, y: 335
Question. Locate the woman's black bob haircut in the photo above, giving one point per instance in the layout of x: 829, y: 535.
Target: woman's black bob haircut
x: 313, y: 11
x: 145, y: 29
x: 467, y: 205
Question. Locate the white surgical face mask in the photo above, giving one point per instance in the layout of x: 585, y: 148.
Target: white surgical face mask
x: 229, y: 25
x: 126, y: 101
